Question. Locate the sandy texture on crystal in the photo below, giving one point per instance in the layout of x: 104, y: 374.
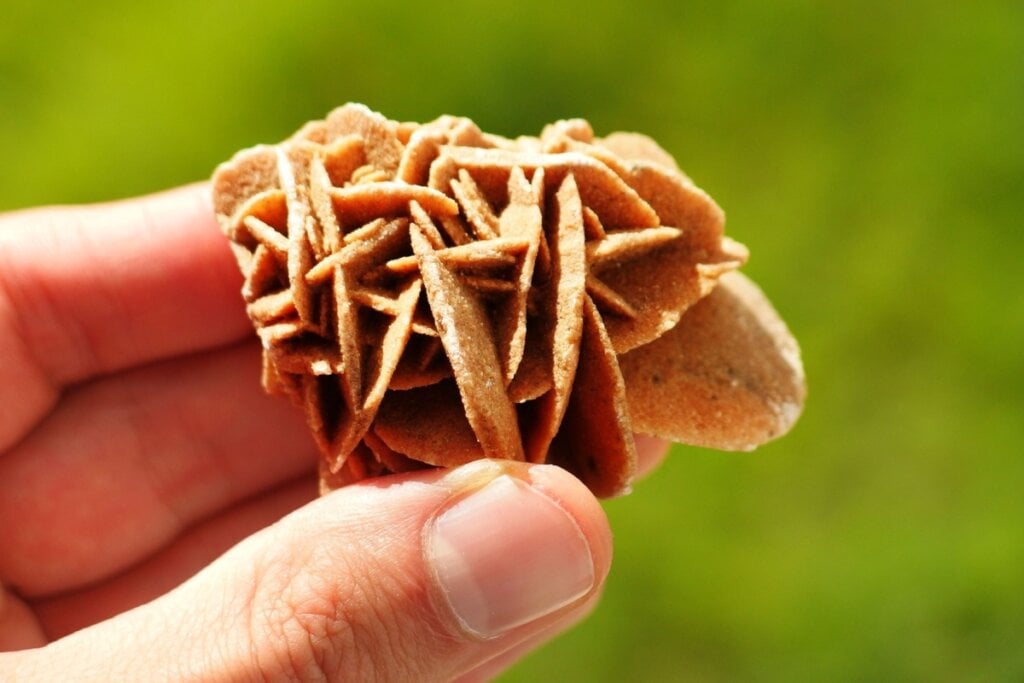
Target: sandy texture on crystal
x: 433, y: 294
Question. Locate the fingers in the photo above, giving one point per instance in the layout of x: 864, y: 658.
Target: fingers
x: 420, y: 577
x: 196, y: 548
x: 137, y: 458
x: 650, y: 452
x: 88, y: 290
x: 19, y: 629
x: 126, y: 463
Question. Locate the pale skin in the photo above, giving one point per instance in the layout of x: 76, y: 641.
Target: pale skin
x: 137, y: 448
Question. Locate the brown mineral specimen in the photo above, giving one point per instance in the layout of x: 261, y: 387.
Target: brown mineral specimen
x: 432, y: 294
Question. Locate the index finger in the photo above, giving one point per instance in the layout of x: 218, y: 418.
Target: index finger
x: 89, y: 290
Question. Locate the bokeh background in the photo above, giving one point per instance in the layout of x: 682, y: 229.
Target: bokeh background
x: 871, y: 155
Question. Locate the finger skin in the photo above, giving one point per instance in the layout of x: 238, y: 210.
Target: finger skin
x: 19, y: 628
x: 338, y: 590
x: 199, y: 546
x: 93, y: 289
x: 650, y: 452
x: 128, y: 462
x: 70, y: 611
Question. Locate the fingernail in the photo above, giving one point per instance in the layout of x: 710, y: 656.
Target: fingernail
x: 507, y: 555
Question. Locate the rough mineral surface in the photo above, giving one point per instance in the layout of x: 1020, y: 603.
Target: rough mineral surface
x: 433, y: 294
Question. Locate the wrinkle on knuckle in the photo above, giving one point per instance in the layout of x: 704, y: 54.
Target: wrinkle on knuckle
x: 274, y: 655
x: 327, y: 618
x: 294, y: 625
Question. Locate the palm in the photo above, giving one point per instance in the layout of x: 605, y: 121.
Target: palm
x: 135, y: 443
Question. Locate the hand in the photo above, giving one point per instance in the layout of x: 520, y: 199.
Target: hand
x: 136, y: 447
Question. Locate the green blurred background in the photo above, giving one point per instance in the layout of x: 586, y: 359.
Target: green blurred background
x: 870, y: 154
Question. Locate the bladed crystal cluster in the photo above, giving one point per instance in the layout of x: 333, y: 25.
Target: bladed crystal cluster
x: 431, y: 294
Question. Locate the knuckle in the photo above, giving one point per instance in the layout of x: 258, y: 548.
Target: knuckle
x: 322, y: 619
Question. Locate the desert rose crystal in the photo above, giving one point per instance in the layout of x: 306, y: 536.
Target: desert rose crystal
x: 431, y: 294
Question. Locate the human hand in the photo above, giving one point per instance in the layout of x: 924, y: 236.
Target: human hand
x: 136, y: 447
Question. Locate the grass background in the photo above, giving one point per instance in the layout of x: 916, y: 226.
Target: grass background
x: 871, y: 155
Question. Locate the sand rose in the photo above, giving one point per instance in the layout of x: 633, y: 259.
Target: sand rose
x: 433, y: 294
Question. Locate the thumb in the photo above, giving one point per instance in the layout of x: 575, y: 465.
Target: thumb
x: 418, y: 577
